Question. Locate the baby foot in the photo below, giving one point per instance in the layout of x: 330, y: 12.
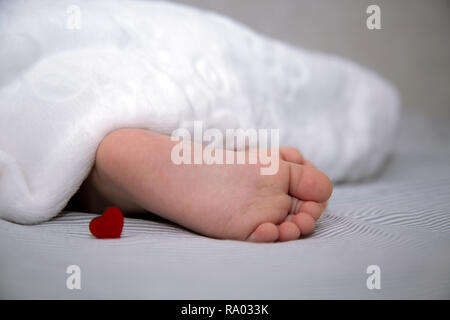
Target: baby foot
x: 133, y: 170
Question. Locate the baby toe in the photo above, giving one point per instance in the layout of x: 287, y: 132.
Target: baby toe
x: 314, y: 209
x: 304, y: 222
x: 265, y: 232
x: 288, y: 231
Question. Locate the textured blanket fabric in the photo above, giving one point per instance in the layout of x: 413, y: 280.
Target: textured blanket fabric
x: 161, y: 66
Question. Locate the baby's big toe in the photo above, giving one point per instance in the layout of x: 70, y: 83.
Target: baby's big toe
x: 309, y: 184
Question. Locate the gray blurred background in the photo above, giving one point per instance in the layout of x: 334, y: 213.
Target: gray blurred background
x: 412, y: 49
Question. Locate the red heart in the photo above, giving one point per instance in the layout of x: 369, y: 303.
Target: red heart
x: 109, y: 225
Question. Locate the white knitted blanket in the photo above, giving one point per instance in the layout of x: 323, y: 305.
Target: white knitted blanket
x: 70, y: 74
